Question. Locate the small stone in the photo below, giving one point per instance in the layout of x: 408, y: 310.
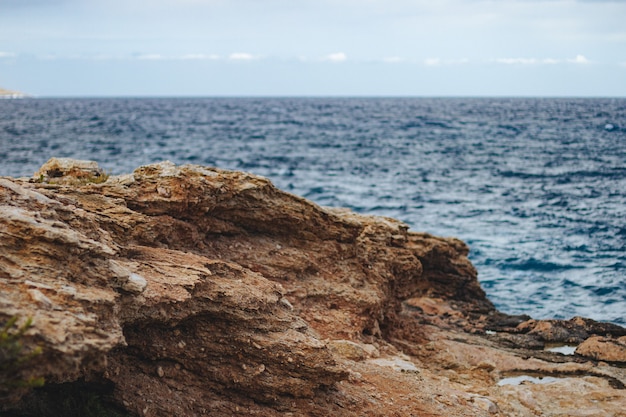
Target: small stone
x: 259, y: 370
x: 486, y: 365
x: 69, y: 290
x: 485, y: 404
x: 160, y: 372
x: 354, y: 376
x: 128, y: 281
x: 286, y: 303
x: 164, y: 192
x: 69, y: 170
x: 348, y: 349
x: 135, y: 284
x: 38, y: 297
x: 397, y: 363
x: 370, y: 350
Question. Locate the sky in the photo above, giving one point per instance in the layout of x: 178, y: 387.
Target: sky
x: 94, y: 48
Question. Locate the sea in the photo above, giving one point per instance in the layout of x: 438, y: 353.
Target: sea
x: 535, y: 186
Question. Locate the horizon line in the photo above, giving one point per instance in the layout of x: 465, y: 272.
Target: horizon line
x: 309, y: 96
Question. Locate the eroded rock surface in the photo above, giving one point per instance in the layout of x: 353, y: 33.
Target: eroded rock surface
x: 195, y: 291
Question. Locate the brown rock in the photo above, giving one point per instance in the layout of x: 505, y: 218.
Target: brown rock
x: 70, y: 171
x: 605, y: 349
x: 187, y: 290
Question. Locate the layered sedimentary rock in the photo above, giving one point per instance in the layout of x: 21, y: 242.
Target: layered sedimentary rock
x: 194, y: 291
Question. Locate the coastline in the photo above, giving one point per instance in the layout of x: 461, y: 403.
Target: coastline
x: 10, y: 94
x: 189, y: 288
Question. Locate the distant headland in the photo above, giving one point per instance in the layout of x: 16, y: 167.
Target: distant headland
x: 11, y: 94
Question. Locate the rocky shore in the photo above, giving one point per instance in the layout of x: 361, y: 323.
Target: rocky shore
x: 190, y: 291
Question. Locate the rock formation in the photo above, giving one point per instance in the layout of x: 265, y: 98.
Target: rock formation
x: 190, y: 291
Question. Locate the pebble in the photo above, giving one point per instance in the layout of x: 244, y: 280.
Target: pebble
x: 485, y: 404
x: 38, y: 297
x: 135, y: 284
x: 286, y: 303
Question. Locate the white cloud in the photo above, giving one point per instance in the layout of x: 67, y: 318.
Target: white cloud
x: 527, y: 61
x: 241, y: 56
x: 7, y: 54
x: 435, y: 62
x: 516, y: 61
x: 151, y: 57
x: 458, y: 61
x: 336, y: 57
x: 200, y: 57
x: 393, y: 59
x: 580, y: 59
x: 105, y: 57
x: 432, y: 62
x: 160, y: 57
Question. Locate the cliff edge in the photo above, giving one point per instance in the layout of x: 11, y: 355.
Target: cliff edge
x: 190, y: 291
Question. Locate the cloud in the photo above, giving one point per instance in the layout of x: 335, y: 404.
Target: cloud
x: 186, y: 57
x: 151, y: 57
x: 105, y: 57
x: 580, y: 59
x: 432, y: 62
x: 336, y: 57
x: 527, y: 61
x: 241, y: 56
x: 517, y: 61
x: 212, y: 57
x: 7, y: 54
x: 393, y: 59
x: 435, y: 62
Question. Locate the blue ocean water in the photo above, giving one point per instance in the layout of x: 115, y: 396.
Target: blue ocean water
x: 536, y: 187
